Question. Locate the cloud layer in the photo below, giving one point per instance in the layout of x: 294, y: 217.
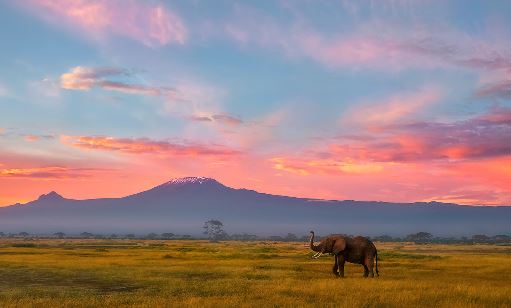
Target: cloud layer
x: 148, y: 146
x: 50, y: 172
x: 86, y: 78
x: 152, y: 25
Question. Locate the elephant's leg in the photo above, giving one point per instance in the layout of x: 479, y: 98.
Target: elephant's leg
x: 341, y: 261
x: 366, y: 270
x: 369, y: 265
x: 335, y: 268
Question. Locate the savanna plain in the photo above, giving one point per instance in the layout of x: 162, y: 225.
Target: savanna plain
x: 149, y: 273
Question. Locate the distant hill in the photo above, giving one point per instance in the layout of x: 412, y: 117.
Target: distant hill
x: 182, y: 205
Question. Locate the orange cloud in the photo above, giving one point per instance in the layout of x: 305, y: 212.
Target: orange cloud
x: 324, y: 166
x: 31, y: 138
x: 52, y: 172
x: 147, y: 146
x: 153, y: 25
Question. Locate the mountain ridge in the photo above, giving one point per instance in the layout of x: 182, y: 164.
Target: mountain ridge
x: 200, y: 180
x: 182, y: 206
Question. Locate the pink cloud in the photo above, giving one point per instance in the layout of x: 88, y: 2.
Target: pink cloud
x: 227, y: 119
x: 402, y: 50
x: 148, y: 146
x: 396, y: 108
x: 153, y: 25
x: 376, y: 44
x: 501, y: 89
x: 479, y: 138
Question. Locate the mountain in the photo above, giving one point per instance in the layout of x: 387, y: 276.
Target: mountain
x: 183, y: 205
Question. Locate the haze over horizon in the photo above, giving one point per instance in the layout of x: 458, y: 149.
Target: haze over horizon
x: 397, y: 101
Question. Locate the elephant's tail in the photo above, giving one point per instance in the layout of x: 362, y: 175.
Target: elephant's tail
x: 377, y: 273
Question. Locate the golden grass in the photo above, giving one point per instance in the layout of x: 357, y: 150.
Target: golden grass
x: 61, y: 273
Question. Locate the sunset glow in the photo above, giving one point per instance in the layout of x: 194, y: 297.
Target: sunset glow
x: 367, y: 100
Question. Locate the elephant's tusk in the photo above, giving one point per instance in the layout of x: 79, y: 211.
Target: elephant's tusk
x: 318, y: 255
x: 314, y: 256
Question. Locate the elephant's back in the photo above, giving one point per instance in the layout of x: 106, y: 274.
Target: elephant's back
x: 360, y: 248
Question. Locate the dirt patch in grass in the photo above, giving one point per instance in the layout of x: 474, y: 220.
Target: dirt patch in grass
x: 16, y: 277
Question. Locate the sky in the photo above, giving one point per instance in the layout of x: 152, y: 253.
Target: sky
x: 399, y: 101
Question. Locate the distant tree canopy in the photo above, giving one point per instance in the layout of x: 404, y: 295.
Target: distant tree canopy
x: 86, y: 235
x: 480, y: 238
x: 420, y: 237
x: 167, y: 235
x: 151, y: 236
x: 23, y: 234
x: 290, y: 237
x: 214, y: 229
x: 59, y: 234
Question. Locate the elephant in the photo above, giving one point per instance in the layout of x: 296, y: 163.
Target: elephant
x: 358, y: 250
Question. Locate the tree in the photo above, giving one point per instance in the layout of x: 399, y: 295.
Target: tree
x: 151, y: 236
x: 59, y: 235
x: 420, y: 237
x: 2, y: 234
x: 214, y: 229
x: 23, y: 234
x: 480, y: 238
x: 167, y: 235
x: 86, y: 235
x: 499, y: 238
x: 130, y: 236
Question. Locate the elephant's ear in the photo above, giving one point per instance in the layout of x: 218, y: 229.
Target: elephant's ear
x: 339, y: 245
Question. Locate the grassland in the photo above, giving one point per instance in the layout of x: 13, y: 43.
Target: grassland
x: 58, y: 273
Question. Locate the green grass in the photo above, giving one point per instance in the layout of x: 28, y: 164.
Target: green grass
x: 62, y: 273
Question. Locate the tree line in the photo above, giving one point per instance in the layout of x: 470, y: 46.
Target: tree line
x: 220, y: 235
x: 214, y: 231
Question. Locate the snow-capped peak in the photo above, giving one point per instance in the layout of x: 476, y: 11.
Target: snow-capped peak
x: 190, y: 180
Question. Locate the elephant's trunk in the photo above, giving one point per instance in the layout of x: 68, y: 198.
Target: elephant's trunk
x: 311, y: 243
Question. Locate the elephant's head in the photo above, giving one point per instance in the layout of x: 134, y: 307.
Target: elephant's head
x: 332, y: 244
